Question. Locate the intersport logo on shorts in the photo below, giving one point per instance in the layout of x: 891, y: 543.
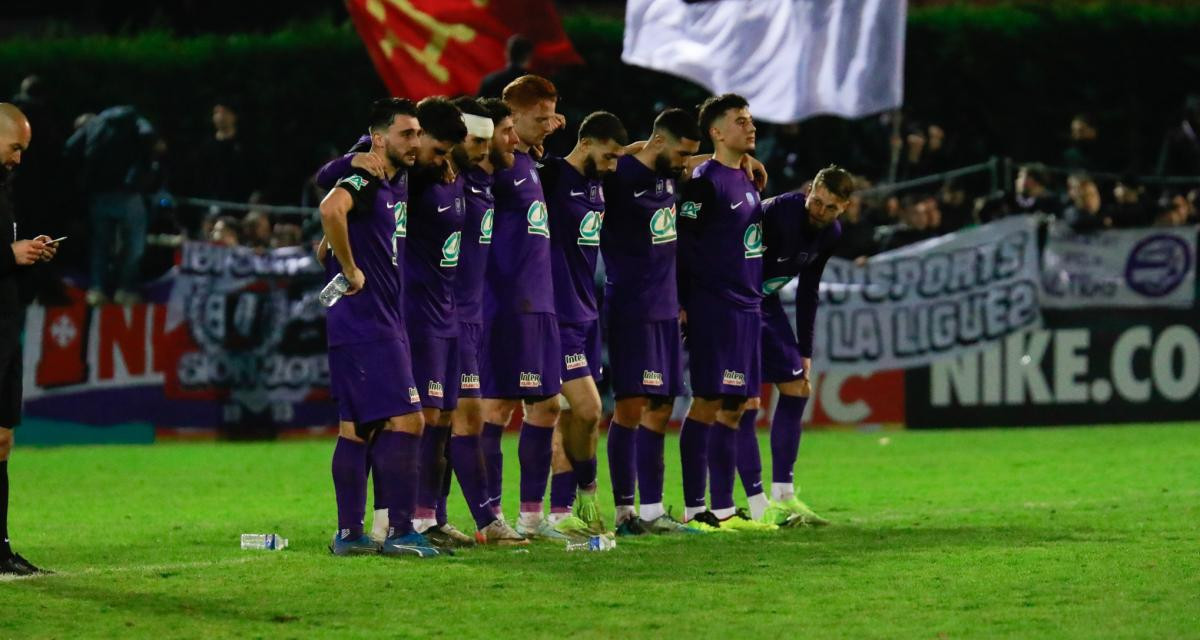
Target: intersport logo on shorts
x: 468, y: 381
x: 734, y: 378
x: 652, y: 378
x: 530, y: 380
x: 575, y: 361
x: 414, y: 396
x: 435, y: 389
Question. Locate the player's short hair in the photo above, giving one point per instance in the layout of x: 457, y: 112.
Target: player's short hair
x: 716, y: 106
x: 467, y: 104
x: 496, y: 109
x: 519, y: 49
x: 441, y: 120
x: 837, y: 180
x: 678, y: 124
x: 385, y: 110
x: 603, y: 126
x: 528, y: 90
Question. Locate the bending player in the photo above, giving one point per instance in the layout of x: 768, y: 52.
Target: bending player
x: 720, y: 276
x: 638, y: 242
x: 575, y: 198
x: 365, y: 224
x: 801, y: 232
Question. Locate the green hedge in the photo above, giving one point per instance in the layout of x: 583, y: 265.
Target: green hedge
x: 1007, y: 76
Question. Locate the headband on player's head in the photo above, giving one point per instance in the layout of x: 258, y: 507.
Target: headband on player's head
x: 478, y: 126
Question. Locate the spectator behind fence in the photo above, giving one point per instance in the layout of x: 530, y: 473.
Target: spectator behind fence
x: 221, y: 168
x: 1030, y: 194
x: 519, y: 53
x: 256, y: 230
x: 112, y: 157
x: 858, y: 235
x: 1086, y: 211
x: 1084, y: 153
x: 225, y: 232
x: 1128, y: 208
x: 1180, y: 154
x: 920, y: 220
x: 1171, y: 210
x: 286, y: 234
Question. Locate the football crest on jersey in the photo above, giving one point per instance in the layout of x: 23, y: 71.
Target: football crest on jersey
x: 662, y: 225
x: 589, y: 229
x: 537, y: 219
x: 753, y: 241
x: 485, y: 227
x: 660, y: 186
x: 450, y: 249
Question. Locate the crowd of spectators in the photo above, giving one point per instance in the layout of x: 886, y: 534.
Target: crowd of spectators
x: 109, y: 180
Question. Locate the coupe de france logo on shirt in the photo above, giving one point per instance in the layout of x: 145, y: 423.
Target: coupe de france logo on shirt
x: 485, y: 227
x: 400, y: 212
x: 358, y: 182
x: 589, y: 229
x: 754, y: 241
x: 774, y: 284
x: 690, y: 210
x: 537, y: 219
x: 662, y: 225
x: 450, y: 249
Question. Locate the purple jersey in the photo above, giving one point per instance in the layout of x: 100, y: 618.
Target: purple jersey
x: 518, y: 272
x: 476, y: 238
x: 377, y: 226
x: 435, y: 226
x: 796, y: 247
x: 639, y: 245
x: 576, y: 209
x: 720, y: 226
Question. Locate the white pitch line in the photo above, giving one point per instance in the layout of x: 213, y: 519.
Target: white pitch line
x: 136, y: 568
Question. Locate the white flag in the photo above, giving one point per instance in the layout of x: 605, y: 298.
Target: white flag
x: 792, y: 59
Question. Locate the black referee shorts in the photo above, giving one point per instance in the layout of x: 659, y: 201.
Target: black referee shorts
x: 10, y: 380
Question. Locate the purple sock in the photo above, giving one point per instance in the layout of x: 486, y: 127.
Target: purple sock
x: 785, y: 437
x: 350, y: 486
x: 749, y: 460
x: 447, y: 478
x: 533, y: 452
x: 693, y: 445
x: 562, y: 492
x: 622, y: 469
x: 376, y: 486
x: 722, y: 465
x: 493, y: 459
x: 432, y: 469
x: 396, y: 455
x: 585, y: 473
x: 650, y: 465
x: 467, y: 460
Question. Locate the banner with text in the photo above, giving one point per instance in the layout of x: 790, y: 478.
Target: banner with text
x: 230, y: 338
x: 911, y: 306
x: 1119, y: 268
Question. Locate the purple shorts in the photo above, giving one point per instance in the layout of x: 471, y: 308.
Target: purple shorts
x: 724, y: 349
x: 645, y: 358
x: 519, y: 356
x: 781, y: 359
x: 435, y: 368
x: 468, y: 359
x: 580, y: 349
x: 373, y: 380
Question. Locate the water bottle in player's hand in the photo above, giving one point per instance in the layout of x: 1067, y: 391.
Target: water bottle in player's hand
x: 334, y: 290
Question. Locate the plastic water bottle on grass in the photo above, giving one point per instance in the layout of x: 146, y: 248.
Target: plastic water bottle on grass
x: 264, y: 541
x: 593, y: 543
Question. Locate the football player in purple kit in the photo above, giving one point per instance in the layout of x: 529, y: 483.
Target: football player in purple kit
x: 638, y: 243
x: 520, y: 349
x: 435, y: 222
x: 575, y: 199
x: 801, y: 231
x: 365, y: 224
x: 720, y: 286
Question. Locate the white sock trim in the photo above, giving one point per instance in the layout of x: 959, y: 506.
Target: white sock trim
x: 724, y: 514
x: 758, y: 505
x: 651, y: 512
x: 781, y: 491
x: 690, y: 512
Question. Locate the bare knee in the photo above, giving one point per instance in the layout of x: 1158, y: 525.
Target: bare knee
x: 6, y: 443
x: 798, y: 388
x: 411, y: 423
x: 704, y: 409
x: 544, y: 413
x: 587, y: 411
x: 498, y: 411
x: 629, y: 411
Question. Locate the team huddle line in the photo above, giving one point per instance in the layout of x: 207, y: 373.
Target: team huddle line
x: 469, y: 259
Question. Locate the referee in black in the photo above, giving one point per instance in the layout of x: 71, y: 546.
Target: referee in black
x: 14, y: 140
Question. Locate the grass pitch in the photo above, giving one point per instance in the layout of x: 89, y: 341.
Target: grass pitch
x: 1065, y: 533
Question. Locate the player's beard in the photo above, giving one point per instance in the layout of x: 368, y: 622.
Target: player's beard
x: 499, y: 159
x: 461, y: 160
x: 395, y: 157
x: 664, y: 168
x: 590, y: 170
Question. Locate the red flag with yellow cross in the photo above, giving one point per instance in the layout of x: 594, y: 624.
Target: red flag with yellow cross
x: 431, y: 47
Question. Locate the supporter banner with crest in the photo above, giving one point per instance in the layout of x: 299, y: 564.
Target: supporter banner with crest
x: 1119, y: 268
x: 230, y: 337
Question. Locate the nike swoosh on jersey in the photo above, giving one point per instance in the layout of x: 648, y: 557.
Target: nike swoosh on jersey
x: 390, y: 205
x: 517, y: 183
x: 576, y: 193
x: 781, y: 259
x: 474, y: 190
x: 797, y: 372
x: 738, y: 204
x: 638, y: 194
x: 445, y: 208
